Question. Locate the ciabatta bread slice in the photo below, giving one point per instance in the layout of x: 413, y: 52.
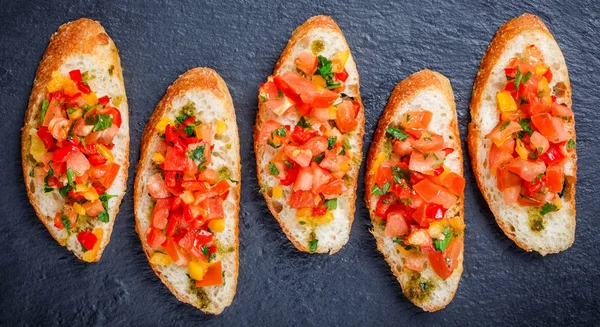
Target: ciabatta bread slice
x: 333, y: 236
x: 82, y: 44
x: 431, y: 91
x: 208, y: 93
x: 510, y: 40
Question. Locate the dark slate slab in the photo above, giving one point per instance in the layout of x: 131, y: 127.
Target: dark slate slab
x: 43, y: 284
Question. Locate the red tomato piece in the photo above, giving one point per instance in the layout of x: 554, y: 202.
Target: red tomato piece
x: 160, y: 214
x: 215, y: 208
x: 539, y: 143
x: 84, y: 88
x: 416, y: 120
x: 527, y: 170
x: 46, y: 137
x: 306, y: 62
x: 304, y: 199
x: 302, y: 135
x: 553, y: 155
x: 403, y: 148
x: 304, y: 180
x: 61, y: 154
x: 432, y: 192
x: 429, y: 142
x: 503, y: 131
x: 112, y: 112
x: 175, y: 160
x: 346, y: 117
x: 87, y: 239
x: 498, y: 157
x: 555, y: 178
x: 155, y: 238
x: 320, y: 177
x: 444, y: 263
x: 342, y: 76
x: 560, y: 110
x: 292, y: 173
x: 383, y: 205
x: 302, y: 157
x: 333, y: 189
x: 176, y: 253
x: 213, y: 276
x: 424, y: 162
x: 75, y: 75
x: 92, y: 209
x: 78, y: 162
x: 319, y: 211
x: 395, y: 224
x: 553, y: 128
x: 156, y: 187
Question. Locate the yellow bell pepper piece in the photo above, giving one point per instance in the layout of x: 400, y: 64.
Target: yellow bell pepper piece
x: 506, y: 103
x: 521, y: 150
x: 75, y: 114
x: 378, y: 161
x: 541, y: 70
x: 78, y: 208
x: 319, y: 80
x: 221, y: 127
x: 457, y: 224
x: 91, y: 98
x: 197, y: 269
x: 80, y: 188
x: 277, y: 192
x: 162, y: 124
x: 162, y: 259
x: 324, y: 219
x: 37, y: 148
x: 303, y: 215
x: 90, y: 255
x: 557, y: 201
x: 57, y: 82
x: 338, y: 61
x: 158, y: 158
x: 544, y: 91
x: 216, y: 225
x: 91, y: 194
x: 332, y: 112
x: 105, y: 152
x: 345, y: 167
x: 436, y: 227
x: 187, y: 197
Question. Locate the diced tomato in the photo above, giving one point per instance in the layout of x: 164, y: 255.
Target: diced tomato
x: 424, y: 162
x: 395, y: 224
x: 506, y: 179
x: 304, y: 199
x: 304, y: 180
x: 320, y: 177
x: 176, y: 253
x: 383, y: 204
x: 54, y: 111
x: 302, y: 135
x: 156, y: 187
x: 316, y: 145
x: 420, y: 238
x: 498, y: 157
x: 416, y: 120
x: 160, y: 214
x: 401, y: 191
x: 539, y: 143
x: 92, y: 209
x: 78, y: 162
x: 529, y: 202
x: 302, y: 157
x: 306, y: 62
x: 511, y: 194
x: 84, y: 88
x: 213, y: 276
x: 560, y: 110
x: 266, y: 129
x: 75, y: 75
x: 384, y: 174
x: 215, y: 208
x: 553, y: 128
x: 105, y: 174
x: 444, y: 263
x: 429, y: 142
x: 555, y: 178
x: 209, y: 175
x: 195, y: 185
x: 87, y: 239
x: 333, y: 189
x: 105, y: 137
x: 453, y: 182
x: 553, y: 155
x: 292, y: 173
x: 341, y: 76
x: 527, y: 170
x: 61, y: 154
x: 97, y: 159
x: 300, y: 89
x: 503, y: 131
x: 432, y: 192
x: 414, y: 261
x: 46, y: 137
x: 507, y: 147
x: 175, y: 160
x: 319, y: 211
x: 103, y: 101
x: 402, y: 148
x: 155, y: 237
x: 346, y: 117
x: 333, y: 162
x: 532, y: 188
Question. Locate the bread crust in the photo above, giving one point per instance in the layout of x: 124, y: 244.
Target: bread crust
x: 200, y: 78
x: 77, y: 37
x: 308, y: 27
x: 403, y: 93
x: 506, y: 33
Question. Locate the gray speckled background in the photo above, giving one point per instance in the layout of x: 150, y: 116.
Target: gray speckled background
x: 43, y: 284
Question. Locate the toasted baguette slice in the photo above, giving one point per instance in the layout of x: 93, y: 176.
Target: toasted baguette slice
x: 333, y: 236
x: 424, y: 90
x: 208, y: 92
x: 82, y: 44
x: 515, y: 221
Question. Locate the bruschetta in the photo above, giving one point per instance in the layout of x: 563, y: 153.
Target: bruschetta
x: 415, y: 189
x: 187, y: 191
x: 75, y: 140
x: 308, y: 137
x: 522, y: 136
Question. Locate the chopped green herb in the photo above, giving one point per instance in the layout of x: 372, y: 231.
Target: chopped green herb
x: 331, y: 204
x: 439, y: 162
x: 71, y: 110
x: 520, y: 78
x: 441, y: 245
x: 313, y: 245
x: 273, y: 169
x: 346, y: 144
x: 198, y: 154
x: 65, y: 221
x: 288, y: 164
x: 45, y: 105
x: 400, y: 173
x: 331, y: 142
x: 206, y: 251
x: 281, y: 131
x: 397, y: 133
x: 100, y: 122
x: 571, y: 144
x: 31, y: 173
x: 279, y: 95
x: 547, y: 208
x: 263, y: 98
x: 182, y: 118
x: 318, y: 158
x: 70, y: 176
x: 504, y: 125
x: 324, y: 69
x: 376, y: 190
x: 273, y: 145
x: 303, y: 123
x: 64, y: 191
x: 103, y: 216
x: 525, y: 125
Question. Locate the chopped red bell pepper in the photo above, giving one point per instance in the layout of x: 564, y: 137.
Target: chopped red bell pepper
x: 75, y: 75
x: 87, y: 239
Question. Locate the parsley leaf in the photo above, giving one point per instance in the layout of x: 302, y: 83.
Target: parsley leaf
x: 303, y: 123
x: 396, y: 133
x: 206, y: 251
x: 65, y: 221
x: 45, y: 105
x: 70, y: 174
x: 318, y: 158
x: 288, y: 164
x: 571, y: 144
x: 439, y: 162
x: 441, y: 245
x: 273, y: 169
x: 381, y: 191
x: 525, y: 125
x: 103, y: 216
x: 400, y: 173
x: 547, y: 208
x: 182, y: 118
x: 504, y: 125
x: 324, y: 69
x: 331, y: 142
x: 331, y: 204
x: 281, y: 131
x: 100, y: 122
x: 263, y: 98
x: 198, y: 154
x: 313, y: 245
x: 273, y: 145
